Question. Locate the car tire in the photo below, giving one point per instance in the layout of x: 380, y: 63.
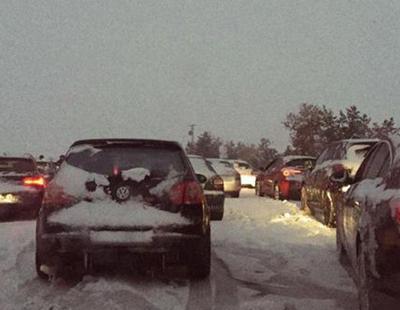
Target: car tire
x: 277, y: 194
x: 365, y: 281
x: 329, y: 214
x: 258, y: 189
x: 39, y: 263
x: 341, y: 252
x: 303, y: 203
x: 236, y: 194
x: 218, y: 216
x: 40, y: 250
x: 200, y: 258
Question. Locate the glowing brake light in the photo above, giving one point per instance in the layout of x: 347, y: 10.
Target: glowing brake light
x: 290, y: 172
x: 34, y: 181
x: 187, y: 192
x: 395, y: 207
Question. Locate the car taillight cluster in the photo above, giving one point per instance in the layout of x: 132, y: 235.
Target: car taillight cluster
x: 186, y: 192
x: 287, y: 172
x: 395, y: 206
x: 38, y: 181
x: 218, y: 183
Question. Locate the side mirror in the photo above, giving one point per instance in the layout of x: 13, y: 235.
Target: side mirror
x: 339, y: 175
x: 201, y: 178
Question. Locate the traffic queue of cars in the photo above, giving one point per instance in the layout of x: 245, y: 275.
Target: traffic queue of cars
x: 145, y: 199
x: 151, y: 201
x: 354, y: 185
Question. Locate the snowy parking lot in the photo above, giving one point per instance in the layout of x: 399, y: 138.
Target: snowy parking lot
x: 266, y: 255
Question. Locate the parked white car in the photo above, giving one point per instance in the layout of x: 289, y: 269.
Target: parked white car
x: 246, y: 171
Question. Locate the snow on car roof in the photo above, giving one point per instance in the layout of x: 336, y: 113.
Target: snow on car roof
x: 148, y: 142
x: 292, y: 157
x: 16, y: 155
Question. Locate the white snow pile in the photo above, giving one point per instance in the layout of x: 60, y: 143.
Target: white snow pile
x: 135, y: 174
x: 83, y: 148
x: 165, y: 185
x: 272, y: 226
x: 72, y: 181
x: 112, y: 214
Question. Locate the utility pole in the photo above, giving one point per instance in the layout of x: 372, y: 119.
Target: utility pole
x: 191, y: 132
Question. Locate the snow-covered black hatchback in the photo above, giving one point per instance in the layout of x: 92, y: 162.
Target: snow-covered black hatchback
x: 123, y: 197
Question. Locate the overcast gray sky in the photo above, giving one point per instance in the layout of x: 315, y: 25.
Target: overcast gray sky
x: 81, y: 69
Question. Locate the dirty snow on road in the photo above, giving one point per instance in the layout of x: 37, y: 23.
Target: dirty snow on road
x: 266, y: 255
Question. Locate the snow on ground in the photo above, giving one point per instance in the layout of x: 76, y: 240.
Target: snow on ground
x: 262, y: 240
x: 266, y: 255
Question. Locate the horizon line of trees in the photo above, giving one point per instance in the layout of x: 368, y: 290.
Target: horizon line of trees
x: 311, y: 129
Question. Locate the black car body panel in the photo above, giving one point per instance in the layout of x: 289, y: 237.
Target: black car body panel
x: 319, y: 191
x: 368, y: 215
x: 165, y: 210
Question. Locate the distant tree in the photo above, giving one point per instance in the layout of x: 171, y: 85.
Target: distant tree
x: 387, y: 128
x: 353, y: 124
x: 307, y: 129
x: 265, y: 153
x: 257, y: 155
x: 206, y: 145
x: 231, y: 150
x: 314, y: 127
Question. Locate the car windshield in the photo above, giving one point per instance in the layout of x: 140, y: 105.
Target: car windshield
x: 16, y: 165
x: 242, y: 165
x: 105, y: 159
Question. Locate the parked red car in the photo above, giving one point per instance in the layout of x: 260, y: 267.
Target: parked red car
x: 283, y: 177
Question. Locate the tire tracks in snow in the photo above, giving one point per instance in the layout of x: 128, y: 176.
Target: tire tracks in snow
x: 284, y: 285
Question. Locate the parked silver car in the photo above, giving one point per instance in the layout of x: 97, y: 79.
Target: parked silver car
x: 213, y: 186
x: 231, y: 177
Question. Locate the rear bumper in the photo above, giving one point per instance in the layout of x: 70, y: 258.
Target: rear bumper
x: 29, y: 205
x: 215, y: 201
x: 232, y: 187
x: 131, y: 241
x: 290, y: 189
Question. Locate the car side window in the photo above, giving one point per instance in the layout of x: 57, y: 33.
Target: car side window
x: 321, y: 157
x: 377, y: 162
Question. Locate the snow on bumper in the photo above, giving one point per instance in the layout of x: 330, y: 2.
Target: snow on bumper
x: 90, y: 215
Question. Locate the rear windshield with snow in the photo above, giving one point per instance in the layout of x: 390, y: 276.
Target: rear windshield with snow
x: 222, y: 167
x: 16, y: 165
x: 105, y: 159
x: 201, y: 166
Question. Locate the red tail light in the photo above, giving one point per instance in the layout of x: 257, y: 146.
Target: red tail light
x: 35, y: 181
x: 287, y: 172
x: 218, y: 183
x: 395, y: 206
x: 187, y: 192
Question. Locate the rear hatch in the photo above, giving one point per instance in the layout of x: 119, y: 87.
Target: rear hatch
x: 114, y: 186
